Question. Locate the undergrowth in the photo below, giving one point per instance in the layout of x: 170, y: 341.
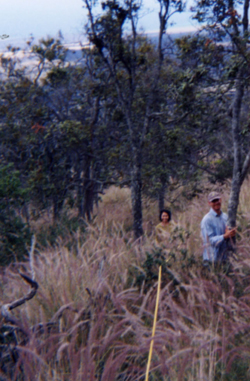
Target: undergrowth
x: 92, y: 317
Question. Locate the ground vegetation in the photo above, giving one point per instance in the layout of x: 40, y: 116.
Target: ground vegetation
x: 92, y: 315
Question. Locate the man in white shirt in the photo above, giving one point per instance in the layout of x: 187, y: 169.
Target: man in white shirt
x: 214, y: 231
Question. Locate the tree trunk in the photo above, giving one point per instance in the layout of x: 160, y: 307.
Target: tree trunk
x: 237, y: 168
x: 86, y: 193
x: 80, y: 197
x: 240, y: 169
x: 88, y: 198
x: 162, y: 191
x: 56, y: 208
x: 58, y: 202
x: 136, y: 188
x: 161, y: 197
x: 25, y: 212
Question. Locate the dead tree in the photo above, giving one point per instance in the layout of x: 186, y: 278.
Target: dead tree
x: 12, y: 333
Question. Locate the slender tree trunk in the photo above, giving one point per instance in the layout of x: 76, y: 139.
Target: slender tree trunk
x: 162, y: 191
x: 58, y: 202
x: 80, y: 197
x: 88, y: 195
x: 25, y: 211
x: 84, y: 200
x: 237, y: 168
x: 161, y: 198
x: 240, y: 169
x: 136, y: 190
x: 233, y: 202
x: 55, y: 208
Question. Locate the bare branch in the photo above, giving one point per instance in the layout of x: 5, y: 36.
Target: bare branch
x: 6, y: 308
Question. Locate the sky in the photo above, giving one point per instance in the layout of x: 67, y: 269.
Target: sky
x: 21, y: 18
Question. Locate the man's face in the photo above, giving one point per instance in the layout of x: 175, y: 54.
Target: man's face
x: 216, y: 205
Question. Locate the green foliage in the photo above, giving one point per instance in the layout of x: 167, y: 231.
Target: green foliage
x: 129, y: 113
x: 58, y: 75
x: 237, y: 371
x: 147, y: 275
x: 50, y: 49
x: 66, y: 227
x: 15, y: 238
x: 223, y: 170
x: 15, y: 235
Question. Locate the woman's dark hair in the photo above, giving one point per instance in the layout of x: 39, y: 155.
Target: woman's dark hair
x: 165, y: 211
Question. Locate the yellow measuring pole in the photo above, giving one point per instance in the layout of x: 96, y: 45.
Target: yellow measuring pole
x: 154, y: 324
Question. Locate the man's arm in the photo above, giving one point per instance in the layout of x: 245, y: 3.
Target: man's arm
x: 209, y: 235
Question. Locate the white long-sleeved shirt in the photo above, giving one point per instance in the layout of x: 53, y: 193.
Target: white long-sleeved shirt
x: 213, y: 227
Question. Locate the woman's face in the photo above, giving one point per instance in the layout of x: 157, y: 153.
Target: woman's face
x: 164, y: 217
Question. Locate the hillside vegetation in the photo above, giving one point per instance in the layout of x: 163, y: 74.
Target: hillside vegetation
x: 166, y: 122
x: 93, y: 311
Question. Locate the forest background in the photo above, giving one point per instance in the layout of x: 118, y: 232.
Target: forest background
x: 164, y: 122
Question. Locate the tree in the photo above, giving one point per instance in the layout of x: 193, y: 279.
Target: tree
x: 134, y: 72
x: 203, y: 94
x: 74, y: 99
x: 54, y: 122
x: 223, y: 23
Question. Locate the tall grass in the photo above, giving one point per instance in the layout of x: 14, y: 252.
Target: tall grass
x: 92, y: 316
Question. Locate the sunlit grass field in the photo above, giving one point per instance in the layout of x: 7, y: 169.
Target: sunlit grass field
x: 97, y: 288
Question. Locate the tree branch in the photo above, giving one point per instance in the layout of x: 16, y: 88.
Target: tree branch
x: 6, y: 308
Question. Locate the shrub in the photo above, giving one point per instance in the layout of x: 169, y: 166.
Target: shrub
x: 14, y: 233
